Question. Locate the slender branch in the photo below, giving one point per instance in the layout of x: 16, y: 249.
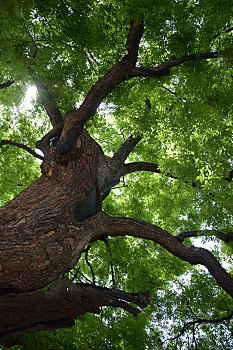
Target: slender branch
x: 199, y: 321
x: 8, y: 83
x: 173, y: 93
x: 189, y: 57
x: 89, y: 264
x: 111, y: 260
x: 164, y: 69
x: 20, y: 145
x: 220, y: 33
x: 226, y: 237
x: 116, y: 226
x: 145, y: 166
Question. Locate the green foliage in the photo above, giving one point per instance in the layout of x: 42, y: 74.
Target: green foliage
x: 68, y: 45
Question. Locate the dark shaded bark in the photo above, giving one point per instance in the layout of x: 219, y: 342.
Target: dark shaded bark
x: 6, y: 84
x: 39, y: 237
x: 58, y: 306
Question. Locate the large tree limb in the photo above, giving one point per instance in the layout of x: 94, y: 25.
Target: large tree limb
x: 20, y: 145
x: 116, y: 75
x: 6, y: 84
x: 58, y: 306
x: 138, y: 228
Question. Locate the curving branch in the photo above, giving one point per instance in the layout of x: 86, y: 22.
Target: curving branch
x: 122, y: 226
x: 189, y: 57
x: 152, y: 167
x: 115, y: 76
x: 164, y: 68
x: 6, y: 84
x: 89, y: 264
x: 20, y: 145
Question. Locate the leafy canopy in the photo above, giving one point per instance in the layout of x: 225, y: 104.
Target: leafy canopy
x: 68, y: 45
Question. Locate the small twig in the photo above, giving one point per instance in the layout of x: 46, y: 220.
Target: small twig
x: 86, y: 278
x: 173, y: 93
x: 89, y: 264
x: 89, y: 61
x: 197, y: 322
x: 76, y: 274
x: 20, y: 145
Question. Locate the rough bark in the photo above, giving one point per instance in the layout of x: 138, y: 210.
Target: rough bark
x: 139, y: 228
x: 38, y: 227
x: 40, y: 238
x: 58, y: 306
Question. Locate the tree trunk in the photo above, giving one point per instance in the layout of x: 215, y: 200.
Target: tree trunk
x: 40, y: 238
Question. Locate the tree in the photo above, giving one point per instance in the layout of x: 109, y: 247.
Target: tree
x: 132, y: 95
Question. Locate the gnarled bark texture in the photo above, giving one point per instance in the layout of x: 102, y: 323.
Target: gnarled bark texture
x: 43, y: 232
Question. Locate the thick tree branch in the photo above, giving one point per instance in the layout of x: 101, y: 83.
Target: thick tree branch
x: 58, y: 306
x: 126, y: 148
x: 139, y: 228
x: 20, y: 145
x: 133, y: 40
x: 8, y: 83
x: 49, y: 105
x: 115, y: 76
